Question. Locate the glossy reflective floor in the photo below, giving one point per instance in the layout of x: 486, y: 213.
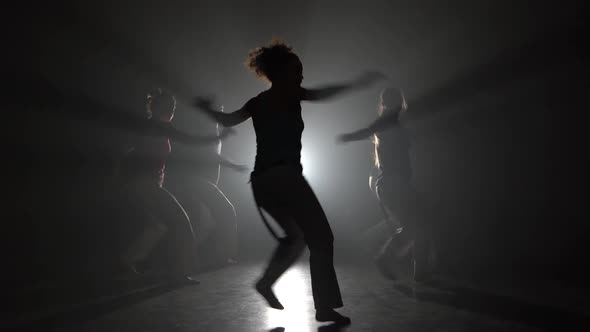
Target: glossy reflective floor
x: 226, y: 301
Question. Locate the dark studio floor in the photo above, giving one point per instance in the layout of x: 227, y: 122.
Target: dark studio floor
x: 225, y: 301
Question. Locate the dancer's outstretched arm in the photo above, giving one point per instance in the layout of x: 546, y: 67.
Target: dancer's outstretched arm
x: 231, y: 165
x: 160, y: 128
x: 193, y: 139
x: 334, y: 90
x: 379, y: 125
x: 192, y: 165
x: 225, y: 119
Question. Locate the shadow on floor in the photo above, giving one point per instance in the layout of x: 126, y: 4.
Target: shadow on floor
x: 333, y: 327
x: 499, y: 306
x: 93, y: 310
x: 83, y: 301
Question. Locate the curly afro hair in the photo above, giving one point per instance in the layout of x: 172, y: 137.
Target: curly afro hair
x: 269, y: 61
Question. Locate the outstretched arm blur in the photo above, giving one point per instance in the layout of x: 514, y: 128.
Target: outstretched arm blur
x: 335, y: 90
x: 225, y: 119
x: 381, y: 124
x: 158, y: 128
x: 194, y: 139
x: 231, y: 165
x: 212, y: 160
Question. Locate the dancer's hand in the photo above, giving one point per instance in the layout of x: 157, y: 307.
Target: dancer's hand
x: 204, y: 103
x: 225, y: 119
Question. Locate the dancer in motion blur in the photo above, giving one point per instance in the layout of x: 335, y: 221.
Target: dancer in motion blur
x: 142, y: 174
x: 394, y: 188
x: 197, y: 185
x: 278, y: 185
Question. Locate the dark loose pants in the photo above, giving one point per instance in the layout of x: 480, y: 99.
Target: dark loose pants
x: 284, y: 193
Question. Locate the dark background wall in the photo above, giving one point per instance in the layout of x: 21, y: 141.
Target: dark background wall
x: 498, y: 143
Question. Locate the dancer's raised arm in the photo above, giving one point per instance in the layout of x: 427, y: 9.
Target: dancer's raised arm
x: 380, y: 124
x: 334, y: 90
x: 225, y: 119
x: 160, y: 128
x: 195, y: 139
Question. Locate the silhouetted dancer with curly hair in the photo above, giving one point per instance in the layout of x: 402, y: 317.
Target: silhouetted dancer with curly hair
x: 277, y: 181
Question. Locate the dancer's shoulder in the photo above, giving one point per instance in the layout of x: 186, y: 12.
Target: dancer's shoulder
x: 253, y: 103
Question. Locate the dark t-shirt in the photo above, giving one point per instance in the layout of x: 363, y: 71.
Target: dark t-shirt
x: 278, y: 125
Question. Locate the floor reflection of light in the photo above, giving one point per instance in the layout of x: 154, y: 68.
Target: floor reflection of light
x: 294, y: 292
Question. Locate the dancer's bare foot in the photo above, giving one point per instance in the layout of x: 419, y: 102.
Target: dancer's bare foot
x: 330, y: 315
x: 266, y: 291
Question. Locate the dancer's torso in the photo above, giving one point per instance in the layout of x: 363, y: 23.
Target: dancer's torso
x: 394, y: 152
x: 147, y: 161
x: 278, y: 125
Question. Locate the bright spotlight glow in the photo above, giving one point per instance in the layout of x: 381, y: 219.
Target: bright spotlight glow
x: 307, y: 163
x: 312, y: 170
x: 294, y: 292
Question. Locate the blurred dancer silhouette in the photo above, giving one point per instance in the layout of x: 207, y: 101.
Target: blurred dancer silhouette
x: 393, y: 186
x: 197, y: 186
x: 142, y: 173
x: 278, y: 185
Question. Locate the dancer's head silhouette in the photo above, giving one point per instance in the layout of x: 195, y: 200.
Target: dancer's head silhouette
x: 161, y: 105
x: 391, y: 100
x: 277, y: 63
